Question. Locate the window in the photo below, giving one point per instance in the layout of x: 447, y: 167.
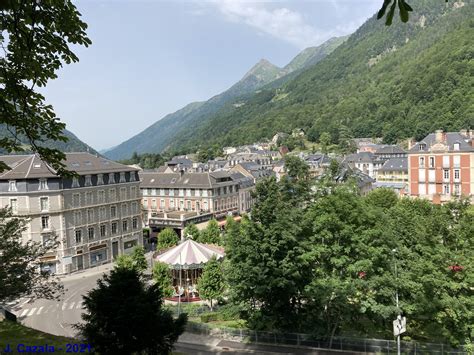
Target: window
x: 45, y: 222
x: 133, y: 192
x: 78, y: 236
x: 44, y: 203
x: 76, y: 200
x: 112, y: 195
x: 446, y: 174
x: 432, y: 162
x: 90, y: 233
x: 12, y: 185
x: 188, y: 205
x: 43, y: 184
x: 456, y: 146
x: 48, y: 240
x: 124, y: 210
x: 422, y: 146
x: 162, y: 192
x: 124, y: 226
x: 101, y: 196
x: 145, y: 192
x: 204, y: 193
x: 181, y: 205
x: 431, y: 189
x: 446, y: 161
x: 122, y: 177
x: 172, y: 203
x: 457, y: 190
x: 422, y: 162
x: 90, y: 215
x: 135, y: 223
x: 422, y: 189
x: 113, y: 211
x: 171, y: 192
x: 132, y: 176
x: 457, y: 174
x: 205, y: 205
x: 100, y: 179
x: 153, y: 204
x: 102, y: 213
x: 188, y: 192
x: 14, y: 205
x: 446, y: 189
x: 77, y: 218
x: 153, y: 192
x: 162, y: 204
x: 181, y: 192
x: 145, y: 204
x: 457, y: 161
x: 103, y: 230
x: 134, y: 207
x: 123, y: 193
x: 89, y: 198
x: 114, y: 227
x: 75, y: 182
x: 88, y: 181
x: 112, y: 178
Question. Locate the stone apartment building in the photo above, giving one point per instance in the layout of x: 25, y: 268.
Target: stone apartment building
x: 94, y: 216
x: 441, y: 166
x: 177, y: 199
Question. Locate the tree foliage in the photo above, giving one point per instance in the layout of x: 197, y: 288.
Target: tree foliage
x: 124, y: 316
x: 167, y: 238
x: 212, y: 234
x: 211, y: 284
x: 162, y: 277
x: 134, y: 261
x: 191, y: 231
x: 35, y: 40
x: 20, y: 262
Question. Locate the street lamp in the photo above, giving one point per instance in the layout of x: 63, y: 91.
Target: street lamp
x: 400, y: 323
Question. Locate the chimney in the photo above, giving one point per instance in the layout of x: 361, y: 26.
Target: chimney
x: 464, y: 133
x: 439, y: 135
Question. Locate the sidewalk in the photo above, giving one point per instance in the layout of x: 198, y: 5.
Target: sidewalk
x: 101, y: 269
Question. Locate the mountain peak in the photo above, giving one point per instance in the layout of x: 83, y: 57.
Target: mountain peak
x: 262, y: 70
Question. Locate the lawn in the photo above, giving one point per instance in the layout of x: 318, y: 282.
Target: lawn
x: 14, y: 333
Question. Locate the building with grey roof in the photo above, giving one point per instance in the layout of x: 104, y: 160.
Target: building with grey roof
x: 94, y: 215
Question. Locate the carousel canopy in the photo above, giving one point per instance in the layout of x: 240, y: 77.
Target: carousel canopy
x: 189, y: 255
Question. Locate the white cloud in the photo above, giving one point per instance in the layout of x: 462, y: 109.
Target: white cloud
x: 280, y: 22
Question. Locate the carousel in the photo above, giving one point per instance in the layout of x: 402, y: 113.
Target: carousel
x: 186, y: 260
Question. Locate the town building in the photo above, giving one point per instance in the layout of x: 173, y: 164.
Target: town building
x: 178, y: 199
x: 94, y: 216
x: 393, y: 175
x: 441, y: 166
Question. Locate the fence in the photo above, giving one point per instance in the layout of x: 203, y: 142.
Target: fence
x: 378, y: 346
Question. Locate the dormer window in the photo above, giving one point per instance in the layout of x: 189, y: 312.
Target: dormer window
x: 43, y: 184
x: 132, y: 176
x: 112, y: 178
x: 456, y: 146
x: 100, y: 179
x: 88, y: 181
x: 122, y: 177
x: 12, y: 185
x: 422, y: 146
x: 75, y: 182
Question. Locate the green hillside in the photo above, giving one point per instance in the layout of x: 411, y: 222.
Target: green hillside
x: 167, y: 131
x: 73, y: 144
x: 396, y: 82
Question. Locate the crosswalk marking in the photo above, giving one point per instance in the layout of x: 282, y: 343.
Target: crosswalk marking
x: 64, y: 306
x: 39, y: 310
x: 24, y: 312
x: 32, y: 311
x: 72, y: 305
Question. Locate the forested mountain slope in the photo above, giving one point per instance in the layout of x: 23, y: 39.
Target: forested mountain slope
x: 396, y: 82
x: 168, y: 130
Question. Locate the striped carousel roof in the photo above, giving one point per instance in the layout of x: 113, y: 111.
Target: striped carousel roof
x: 189, y: 255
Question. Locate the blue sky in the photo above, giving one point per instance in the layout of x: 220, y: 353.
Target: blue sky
x: 149, y: 58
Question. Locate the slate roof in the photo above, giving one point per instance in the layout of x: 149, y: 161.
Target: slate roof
x: 395, y: 164
x: 184, y: 180
x: 32, y: 167
x: 390, y: 149
x: 449, y: 138
x: 362, y: 157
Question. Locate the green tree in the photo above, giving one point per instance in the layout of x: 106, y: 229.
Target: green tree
x: 264, y: 270
x: 20, y: 263
x: 162, y: 277
x: 124, y: 316
x: 193, y: 231
x: 138, y: 259
x: 35, y: 39
x: 212, y: 233
x: 325, y: 142
x: 124, y: 261
x: 211, y: 284
x: 383, y: 197
x: 167, y: 238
